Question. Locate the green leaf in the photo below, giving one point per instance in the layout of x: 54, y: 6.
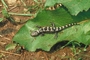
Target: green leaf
x: 73, y: 6
x: 10, y: 46
x: 5, y: 13
x: 51, y: 2
x: 59, y: 17
x: 1, y: 19
x: 88, y: 33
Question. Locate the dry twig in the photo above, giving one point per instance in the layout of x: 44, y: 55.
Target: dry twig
x: 10, y: 53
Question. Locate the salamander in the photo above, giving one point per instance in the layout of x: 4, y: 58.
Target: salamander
x: 50, y: 29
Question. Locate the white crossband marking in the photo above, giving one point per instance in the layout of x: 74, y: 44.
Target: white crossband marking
x: 47, y: 29
x: 57, y: 29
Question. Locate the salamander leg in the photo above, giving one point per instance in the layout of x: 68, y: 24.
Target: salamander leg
x: 38, y: 26
x: 42, y: 34
x: 56, y: 35
x: 53, y: 25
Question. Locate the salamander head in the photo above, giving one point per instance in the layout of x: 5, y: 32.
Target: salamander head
x: 35, y: 33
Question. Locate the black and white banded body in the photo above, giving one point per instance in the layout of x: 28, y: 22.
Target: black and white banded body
x: 57, y: 5
x: 50, y: 29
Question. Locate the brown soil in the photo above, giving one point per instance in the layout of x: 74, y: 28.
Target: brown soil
x: 8, y: 30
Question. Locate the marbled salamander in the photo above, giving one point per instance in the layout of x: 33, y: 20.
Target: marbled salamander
x: 50, y: 29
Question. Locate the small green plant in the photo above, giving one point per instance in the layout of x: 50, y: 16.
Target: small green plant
x: 74, y: 44
x: 8, y: 15
x: 5, y: 12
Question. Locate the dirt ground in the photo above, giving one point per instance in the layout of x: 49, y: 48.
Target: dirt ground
x: 8, y: 30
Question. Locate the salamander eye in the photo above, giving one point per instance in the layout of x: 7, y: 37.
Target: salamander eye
x: 35, y: 33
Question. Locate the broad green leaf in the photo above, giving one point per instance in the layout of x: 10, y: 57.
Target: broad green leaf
x: 59, y: 18
x: 73, y: 6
